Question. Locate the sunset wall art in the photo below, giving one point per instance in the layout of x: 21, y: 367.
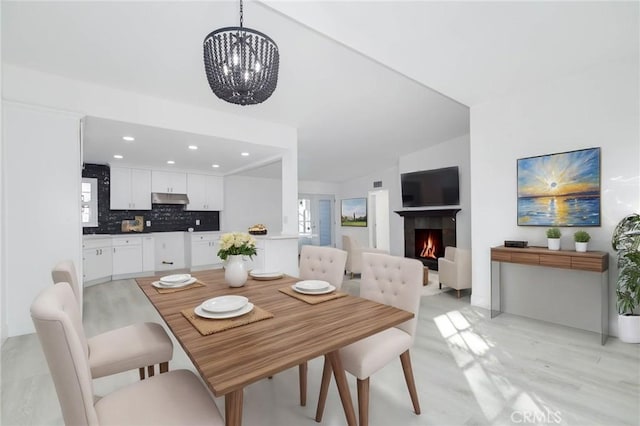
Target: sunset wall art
x: 560, y: 189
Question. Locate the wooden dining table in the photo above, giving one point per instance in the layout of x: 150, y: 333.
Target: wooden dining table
x: 232, y: 359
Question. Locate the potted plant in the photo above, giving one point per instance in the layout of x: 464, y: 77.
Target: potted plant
x: 582, y: 239
x: 553, y: 238
x: 626, y: 242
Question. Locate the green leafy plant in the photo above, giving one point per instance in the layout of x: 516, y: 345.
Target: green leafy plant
x: 553, y: 233
x: 626, y: 242
x: 236, y: 243
x: 581, y: 237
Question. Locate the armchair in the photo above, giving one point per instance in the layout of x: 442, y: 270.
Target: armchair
x: 354, y: 254
x: 454, y: 269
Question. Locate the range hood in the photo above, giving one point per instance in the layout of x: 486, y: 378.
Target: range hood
x: 169, y: 198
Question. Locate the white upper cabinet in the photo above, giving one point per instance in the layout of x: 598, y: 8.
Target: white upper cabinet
x: 205, y: 192
x: 169, y: 182
x: 130, y: 189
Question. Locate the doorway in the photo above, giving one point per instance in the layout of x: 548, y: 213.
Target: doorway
x: 379, y: 233
x: 316, y: 219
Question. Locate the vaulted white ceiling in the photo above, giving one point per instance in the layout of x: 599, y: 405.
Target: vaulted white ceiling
x: 361, y: 80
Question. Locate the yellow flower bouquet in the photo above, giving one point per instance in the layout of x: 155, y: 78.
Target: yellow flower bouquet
x: 236, y: 243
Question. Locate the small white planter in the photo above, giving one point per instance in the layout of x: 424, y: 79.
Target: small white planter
x: 629, y: 328
x: 581, y: 247
x: 553, y: 243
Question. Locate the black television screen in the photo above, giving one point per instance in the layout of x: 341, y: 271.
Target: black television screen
x: 437, y: 187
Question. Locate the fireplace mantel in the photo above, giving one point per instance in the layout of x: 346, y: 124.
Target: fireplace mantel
x: 428, y: 213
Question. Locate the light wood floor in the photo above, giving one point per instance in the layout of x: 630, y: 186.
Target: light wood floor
x: 469, y: 369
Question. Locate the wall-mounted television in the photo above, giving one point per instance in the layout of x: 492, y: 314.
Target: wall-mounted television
x: 439, y: 187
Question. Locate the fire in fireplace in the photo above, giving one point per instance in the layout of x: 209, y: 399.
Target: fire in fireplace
x: 429, y: 244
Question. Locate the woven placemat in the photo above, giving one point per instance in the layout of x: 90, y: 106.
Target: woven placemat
x: 312, y: 299
x: 186, y: 287
x: 209, y: 326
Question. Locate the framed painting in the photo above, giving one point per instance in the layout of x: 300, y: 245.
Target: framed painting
x: 353, y: 212
x: 560, y: 189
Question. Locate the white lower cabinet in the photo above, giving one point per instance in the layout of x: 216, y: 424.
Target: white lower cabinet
x: 96, y: 259
x: 169, y: 250
x: 148, y: 254
x: 202, y: 250
x: 127, y: 255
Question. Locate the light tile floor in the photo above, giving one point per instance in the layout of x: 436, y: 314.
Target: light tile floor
x: 469, y: 369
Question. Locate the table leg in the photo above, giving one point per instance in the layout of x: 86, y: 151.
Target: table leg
x: 604, y: 306
x: 343, y: 387
x: 496, y: 308
x: 233, y: 408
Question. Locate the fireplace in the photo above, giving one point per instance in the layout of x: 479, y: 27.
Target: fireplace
x: 427, y: 233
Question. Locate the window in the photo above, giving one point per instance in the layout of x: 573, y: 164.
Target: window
x: 89, y: 197
x: 304, y: 216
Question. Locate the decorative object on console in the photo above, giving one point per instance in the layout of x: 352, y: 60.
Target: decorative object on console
x: 518, y: 244
x: 626, y: 242
x: 553, y: 238
x: 241, y: 64
x: 353, y: 212
x: 232, y: 247
x: 582, y: 239
x: 560, y: 189
x: 258, y: 229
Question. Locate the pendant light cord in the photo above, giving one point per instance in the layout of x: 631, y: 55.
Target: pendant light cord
x: 240, y: 13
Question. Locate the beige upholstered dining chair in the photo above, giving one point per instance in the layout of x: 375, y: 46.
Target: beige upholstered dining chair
x: 319, y: 263
x: 134, y: 346
x: 394, y: 281
x: 174, y: 398
x: 354, y: 254
x: 454, y: 269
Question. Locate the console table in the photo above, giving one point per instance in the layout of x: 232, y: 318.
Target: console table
x: 593, y: 261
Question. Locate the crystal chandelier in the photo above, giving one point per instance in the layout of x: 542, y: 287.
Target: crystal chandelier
x: 241, y: 64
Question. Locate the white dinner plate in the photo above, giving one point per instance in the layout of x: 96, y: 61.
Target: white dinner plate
x: 265, y: 275
x: 328, y: 290
x: 312, y: 285
x: 160, y: 284
x: 177, y: 278
x: 222, y: 304
x: 204, y: 314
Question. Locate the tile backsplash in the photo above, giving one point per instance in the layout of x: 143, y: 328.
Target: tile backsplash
x: 163, y: 217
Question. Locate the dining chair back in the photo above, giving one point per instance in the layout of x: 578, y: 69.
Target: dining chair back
x: 354, y: 254
x: 394, y: 281
x: 323, y: 263
x: 65, y: 272
x: 174, y: 398
x: 58, y: 324
x: 140, y: 345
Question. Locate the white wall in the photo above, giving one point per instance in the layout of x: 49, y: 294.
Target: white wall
x: 250, y: 200
x: 594, y: 108
x: 3, y: 278
x: 42, y: 168
x: 359, y: 188
x: 454, y: 152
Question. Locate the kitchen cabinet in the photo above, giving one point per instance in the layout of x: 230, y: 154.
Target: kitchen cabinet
x: 130, y: 189
x: 148, y: 253
x: 127, y: 255
x: 202, y: 250
x: 168, y: 182
x: 96, y: 260
x: 169, y: 250
x: 205, y: 192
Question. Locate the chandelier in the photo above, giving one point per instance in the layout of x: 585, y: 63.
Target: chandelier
x: 241, y: 64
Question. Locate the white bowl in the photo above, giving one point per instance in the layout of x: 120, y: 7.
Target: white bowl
x: 312, y: 285
x: 178, y: 278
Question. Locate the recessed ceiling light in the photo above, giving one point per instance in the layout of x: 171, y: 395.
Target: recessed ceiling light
x: 118, y: 156
x: 244, y: 154
x: 129, y: 138
x: 215, y: 166
x: 171, y: 162
x: 193, y: 147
